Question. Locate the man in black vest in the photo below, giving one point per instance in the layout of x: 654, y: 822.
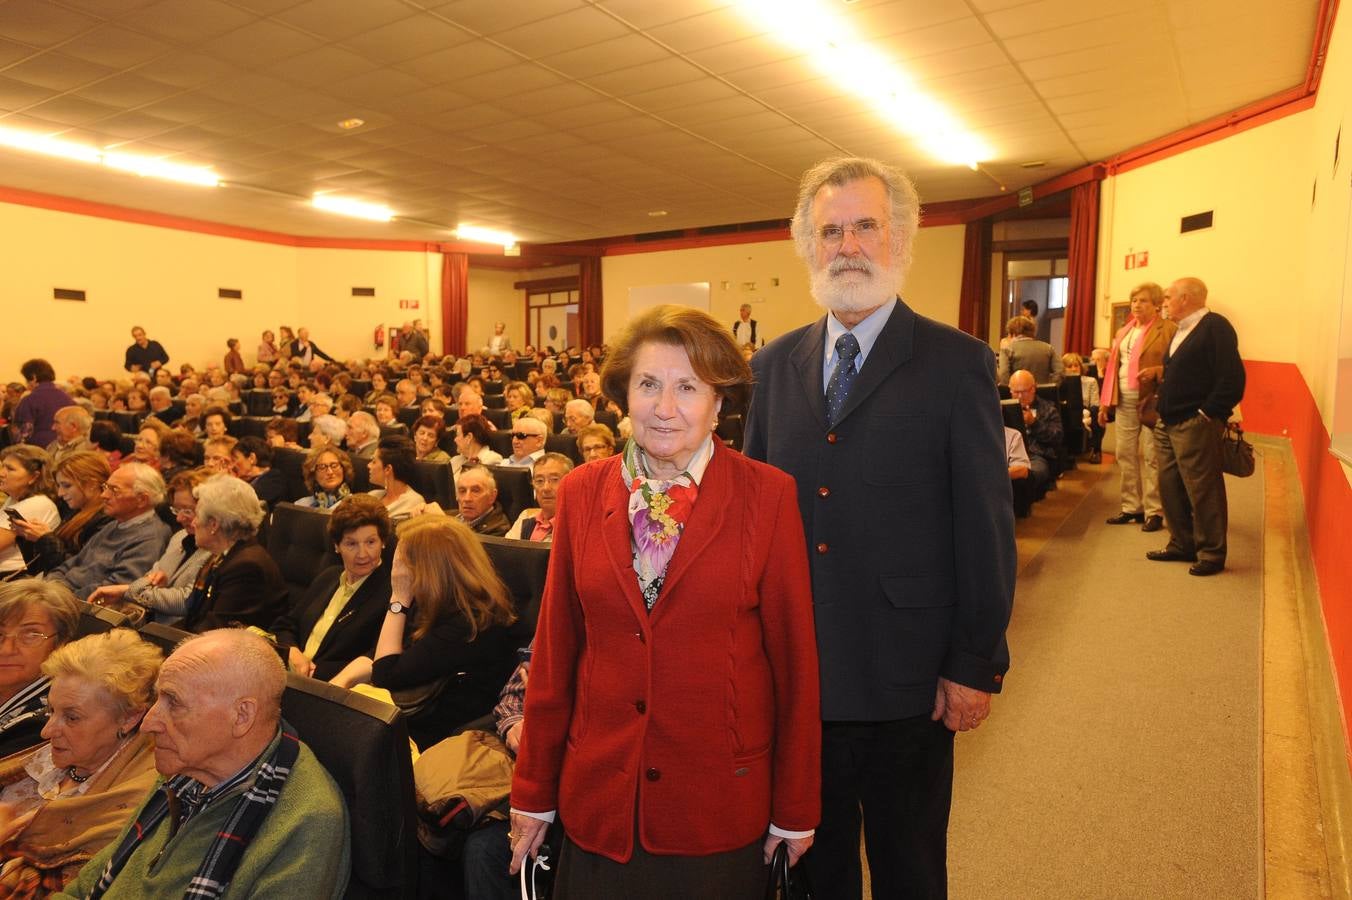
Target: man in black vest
x: 1203, y: 381
x: 744, y: 329
x: 890, y: 423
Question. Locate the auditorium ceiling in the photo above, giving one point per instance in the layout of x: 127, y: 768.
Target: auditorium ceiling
x: 561, y: 120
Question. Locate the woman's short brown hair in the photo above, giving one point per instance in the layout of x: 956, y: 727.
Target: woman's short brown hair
x: 307, y: 468
x: 714, y: 354
x: 358, y: 511
x: 1152, y: 290
x: 452, y: 575
x: 1021, y: 326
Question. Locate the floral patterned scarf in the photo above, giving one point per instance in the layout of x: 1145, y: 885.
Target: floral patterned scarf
x: 658, y: 511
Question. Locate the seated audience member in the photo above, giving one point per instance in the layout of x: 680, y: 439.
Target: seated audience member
x: 260, y: 816
x: 1071, y: 364
x: 363, y: 433
x: 596, y: 441
x: 528, y: 442
x: 79, y: 484
x: 1025, y: 351
x: 26, y: 479
x: 216, y: 421
x: 1015, y: 454
x: 146, y: 447
x: 71, y: 424
x: 178, y: 451
x: 556, y: 400
x: 427, y: 432
x: 406, y: 394
x: 1042, y: 427
x: 577, y: 415
x: 36, y: 618
x: 69, y: 798
x: 107, y: 440
x: 138, y: 400
x: 161, y: 402
x: 31, y: 422
x: 282, y: 404
x: 164, y: 590
x: 218, y: 454
x: 280, y: 432
x: 591, y: 389
x: 470, y: 403
x: 380, y: 386
x: 442, y: 580
x: 328, y: 477
x: 537, y: 524
x: 520, y: 397
x: 321, y: 404
x: 471, y: 443
x: 252, y: 462
x: 327, y: 431
x: 241, y: 584
x: 340, y: 617
x: 386, y: 410
x: 476, y: 493
x: 391, y: 470
x: 125, y: 548
x: 434, y: 406
x: 193, y: 407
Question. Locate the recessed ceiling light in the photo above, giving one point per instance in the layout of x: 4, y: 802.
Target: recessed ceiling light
x: 349, y: 124
x: 657, y: 213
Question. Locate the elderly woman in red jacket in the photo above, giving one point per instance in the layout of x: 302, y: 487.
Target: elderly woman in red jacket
x: 672, y: 717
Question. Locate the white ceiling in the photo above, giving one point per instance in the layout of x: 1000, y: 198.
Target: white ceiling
x: 570, y: 119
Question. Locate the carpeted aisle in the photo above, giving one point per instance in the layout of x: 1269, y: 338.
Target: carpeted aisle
x: 1123, y: 758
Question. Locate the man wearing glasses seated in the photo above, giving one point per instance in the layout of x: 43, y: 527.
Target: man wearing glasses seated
x: 528, y: 443
x: 124, y: 549
x: 538, y: 524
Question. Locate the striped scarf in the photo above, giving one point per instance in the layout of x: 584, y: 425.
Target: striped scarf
x: 224, y: 856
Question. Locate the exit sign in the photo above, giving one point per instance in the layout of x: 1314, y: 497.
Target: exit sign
x: 408, y: 304
x: 1138, y: 260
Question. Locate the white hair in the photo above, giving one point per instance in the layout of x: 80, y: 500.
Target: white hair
x: 146, y: 482
x: 904, y: 215
x: 332, y: 427
x: 579, y: 405
x: 232, y: 504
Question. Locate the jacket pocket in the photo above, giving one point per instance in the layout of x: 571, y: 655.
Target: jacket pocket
x: 918, y: 591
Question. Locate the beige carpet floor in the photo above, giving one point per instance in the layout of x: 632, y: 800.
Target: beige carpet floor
x: 1124, y: 757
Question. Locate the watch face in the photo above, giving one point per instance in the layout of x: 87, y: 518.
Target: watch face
x: 396, y: 607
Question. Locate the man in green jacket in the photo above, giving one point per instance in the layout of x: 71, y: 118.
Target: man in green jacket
x: 244, y: 809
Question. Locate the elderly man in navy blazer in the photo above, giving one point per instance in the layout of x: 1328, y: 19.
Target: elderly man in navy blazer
x: 890, y: 422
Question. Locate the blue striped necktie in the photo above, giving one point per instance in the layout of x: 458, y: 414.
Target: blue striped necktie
x: 842, y: 379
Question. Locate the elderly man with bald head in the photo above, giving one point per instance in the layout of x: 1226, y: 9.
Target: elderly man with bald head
x: 72, y: 425
x: 243, y: 809
x: 1042, y: 429
x: 1203, y: 382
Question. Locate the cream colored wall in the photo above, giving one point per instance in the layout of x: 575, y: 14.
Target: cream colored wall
x: 932, y: 287
x: 342, y: 324
x: 160, y: 278
x: 1253, y: 256
x: 492, y: 298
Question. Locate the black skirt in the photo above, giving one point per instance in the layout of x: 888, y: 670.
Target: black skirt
x: 733, y: 875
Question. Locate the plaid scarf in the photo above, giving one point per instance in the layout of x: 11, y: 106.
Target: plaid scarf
x: 226, y: 852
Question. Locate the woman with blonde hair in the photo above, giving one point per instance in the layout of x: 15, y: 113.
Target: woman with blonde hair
x: 63, y: 802
x: 79, y: 482
x: 457, y: 651
x: 26, y: 479
x: 36, y: 617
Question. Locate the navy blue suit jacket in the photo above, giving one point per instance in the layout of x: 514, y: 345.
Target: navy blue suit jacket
x: 907, y: 510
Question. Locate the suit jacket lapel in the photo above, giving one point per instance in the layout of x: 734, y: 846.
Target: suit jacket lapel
x: 618, y: 536
x: 706, y: 519
x: 807, y: 359
x: 893, y: 347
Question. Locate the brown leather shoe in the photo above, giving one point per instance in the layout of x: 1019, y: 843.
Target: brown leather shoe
x: 1167, y: 555
x: 1153, y: 523
x: 1126, y: 518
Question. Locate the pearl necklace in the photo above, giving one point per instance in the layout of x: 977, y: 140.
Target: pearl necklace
x: 76, y: 777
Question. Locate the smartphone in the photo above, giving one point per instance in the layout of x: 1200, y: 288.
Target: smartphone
x: 15, y: 515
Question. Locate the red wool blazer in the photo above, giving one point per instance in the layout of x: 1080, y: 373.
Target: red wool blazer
x: 702, y: 718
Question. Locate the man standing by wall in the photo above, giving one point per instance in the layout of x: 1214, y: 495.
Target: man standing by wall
x: 1203, y: 380
x: 744, y: 329
x: 890, y: 423
x: 144, y: 355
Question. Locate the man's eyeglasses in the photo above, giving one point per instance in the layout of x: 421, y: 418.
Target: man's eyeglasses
x: 25, y: 637
x: 865, y: 231
x: 112, y: 489
x: 521, y: 435
x: 542, y: 480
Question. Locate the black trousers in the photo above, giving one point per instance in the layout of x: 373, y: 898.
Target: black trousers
x: 898, y: 777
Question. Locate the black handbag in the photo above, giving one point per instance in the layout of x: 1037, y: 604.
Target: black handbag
x: 1236, y: 453
x: 785, y: 883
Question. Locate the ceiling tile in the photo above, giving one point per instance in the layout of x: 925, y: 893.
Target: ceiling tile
x: 646, y: 14
x: 127, y: 91
x: 335, y: 20
x: 188, y: 70
x: 42, y: 24
x: 662, y: 72
x: 188, y: 21
x: 321, y: 66
x: 70, y: 110
x: 406, y: 39
x: 373, y: 87
x: 566, y: 31
x: 493, y: 16
x: 16, y: 95
x: 56, y: 72
x: 114, y: 47
x: 703, y: 31
x: 450, y: 65
x: 260, y: 44
x: 517, y: 79
x: 606, y: 56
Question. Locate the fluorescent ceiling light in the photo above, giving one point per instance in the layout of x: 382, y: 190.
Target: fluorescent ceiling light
x: 484, y: 235
x: 158, y: 168
x: 838, y: 52
x: 50, y: 146
x: 347, y: 207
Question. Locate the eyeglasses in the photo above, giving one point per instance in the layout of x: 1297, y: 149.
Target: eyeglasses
x: 542, y: 480
x: 26, y: 637
x: 865, y: 231
x: 521, y: 435
x: 112, y: 489
x: 328, y: 467
x: 178, y: 511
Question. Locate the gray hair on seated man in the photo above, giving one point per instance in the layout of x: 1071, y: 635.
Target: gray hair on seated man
x: 330, y: 428
x: 231, y: 504
x: 362, y: 428
x: 145, y: 481
x: 76, y: 416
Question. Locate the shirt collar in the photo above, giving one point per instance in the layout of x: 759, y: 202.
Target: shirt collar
x: 866, y: 333
x: 130, y: 523
x: 1187, y: 322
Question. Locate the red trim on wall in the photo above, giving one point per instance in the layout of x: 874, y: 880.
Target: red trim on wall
x: 1278, y: 402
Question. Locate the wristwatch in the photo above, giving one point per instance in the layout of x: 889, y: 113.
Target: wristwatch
x: 399, y: 608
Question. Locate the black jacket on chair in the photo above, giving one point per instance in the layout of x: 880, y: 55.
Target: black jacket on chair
x: 244, y: 586
x: 352, y: 634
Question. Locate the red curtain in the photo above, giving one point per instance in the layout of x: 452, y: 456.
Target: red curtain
x: 589, y: 300
x: 1084, y: 222
x: 454, y: 303
x: 974, y: 306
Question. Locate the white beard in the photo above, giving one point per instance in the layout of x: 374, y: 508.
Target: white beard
x: 853, y: 284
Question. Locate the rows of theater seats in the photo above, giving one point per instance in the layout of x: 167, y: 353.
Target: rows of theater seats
x: 1068, y: 398
x: 362, y: 742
